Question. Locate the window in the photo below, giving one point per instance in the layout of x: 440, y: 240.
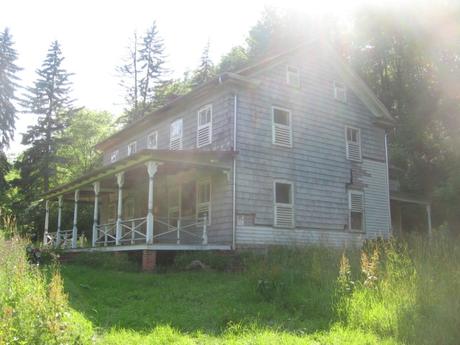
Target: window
x: 132, y: 147
x: 353, y: 143
x: 340, y: 92
x: 114, y: 156
x: 204, y: 130
x: 356, y: 211
x: 281, y: 127
x: 293, y: 76
x: 175, y: 135
x: 203, y: 199
x: 152, y: 140
x: 284, y: 204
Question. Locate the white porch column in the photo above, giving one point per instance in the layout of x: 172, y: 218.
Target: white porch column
x: 97, y: 189
x: 47, y: 222
x: 58, y: 232
x: 428, y: 214
x: 75, y: 220
x: 152, y: 168
x: 120, y: 183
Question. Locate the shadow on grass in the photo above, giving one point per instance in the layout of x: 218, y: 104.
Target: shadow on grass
x: 189, y: 301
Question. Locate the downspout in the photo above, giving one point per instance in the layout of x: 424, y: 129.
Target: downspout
x: 235, y: 107
x: 388, y: 182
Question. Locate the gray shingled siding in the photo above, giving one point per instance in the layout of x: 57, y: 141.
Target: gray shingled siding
x: 317, y: 161
x: 222, y: 121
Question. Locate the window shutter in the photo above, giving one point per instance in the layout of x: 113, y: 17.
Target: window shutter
x: 282, y: 127
x: 204, y: 135
x: 175, y: 143
x: 204, y: 128
x: 284, y: 216
x: 353, y: 140
x: 354, y: 151
x: 356, y: 202
x: 282, y: 135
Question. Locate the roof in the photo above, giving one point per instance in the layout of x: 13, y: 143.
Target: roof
x: 214, y: 159
x: 242, y: 78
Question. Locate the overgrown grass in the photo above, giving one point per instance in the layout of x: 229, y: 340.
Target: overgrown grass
x: 390, y: 292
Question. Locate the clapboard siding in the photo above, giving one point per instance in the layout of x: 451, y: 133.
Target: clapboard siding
x: 316, y: 163
x: 255, y: 236
x: 222, y: 123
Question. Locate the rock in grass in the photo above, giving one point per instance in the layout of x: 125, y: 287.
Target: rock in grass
x: 197, y: 265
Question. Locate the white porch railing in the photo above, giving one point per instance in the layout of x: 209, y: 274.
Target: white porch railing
x: 133, y: 231
x: 64, y: 240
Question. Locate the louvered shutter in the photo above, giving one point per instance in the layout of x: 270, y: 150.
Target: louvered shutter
x: 284, y: 216
x: 204, y: 129
x: 356, y: 205
x: 284, y: 205
x: 282, y: 129
x: 175, y: 135
x: 353, y: 140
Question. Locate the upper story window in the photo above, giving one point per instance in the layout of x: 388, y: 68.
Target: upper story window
x: 356, y: 211
x: 132, y: 148
x: 281, y: 127
x: 293, y: 76
x: 284, y: 204
x: 353, y: 143
x: 340, y: 91
x: 114, y: 156
x: 203, y: 199
x: 204, y: 128
x: 152, y: 140
x: 175, y: 135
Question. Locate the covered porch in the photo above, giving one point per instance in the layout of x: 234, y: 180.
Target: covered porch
x: 151, y: 200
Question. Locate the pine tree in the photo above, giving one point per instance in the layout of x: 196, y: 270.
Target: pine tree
x: 151, y: 61
x: 49, y: 98
x: 8, y: 86
x: 206, y: 70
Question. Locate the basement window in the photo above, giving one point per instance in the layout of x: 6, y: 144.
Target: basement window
x: 284, y: 204
x: 281, y: 127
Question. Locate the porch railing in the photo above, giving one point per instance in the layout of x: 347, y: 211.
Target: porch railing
x: 134, y: 231
x: 63, y: 240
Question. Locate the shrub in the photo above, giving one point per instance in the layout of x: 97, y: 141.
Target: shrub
x: 33, y: 306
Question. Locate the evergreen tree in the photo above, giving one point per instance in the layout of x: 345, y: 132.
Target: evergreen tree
x: 206, y: 70
x: 49, y: 98
x: 8, y: 86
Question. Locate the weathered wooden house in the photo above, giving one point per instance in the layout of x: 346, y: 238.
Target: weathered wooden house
x: 291, y: 150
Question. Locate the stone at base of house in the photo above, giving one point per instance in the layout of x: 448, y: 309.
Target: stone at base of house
x: 149, y: 260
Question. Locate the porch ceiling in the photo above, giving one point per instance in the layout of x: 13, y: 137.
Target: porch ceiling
x: 182, y: 158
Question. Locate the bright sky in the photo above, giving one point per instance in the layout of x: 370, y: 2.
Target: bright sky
x: 94, y: 35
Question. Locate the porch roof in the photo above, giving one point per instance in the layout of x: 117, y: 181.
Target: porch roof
x: 409, y: 198
x: 211, y: 159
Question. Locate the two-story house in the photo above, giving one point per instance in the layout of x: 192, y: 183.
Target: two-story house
x: 291, y: 150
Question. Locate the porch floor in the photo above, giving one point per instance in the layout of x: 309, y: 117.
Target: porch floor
x: 158, y: 246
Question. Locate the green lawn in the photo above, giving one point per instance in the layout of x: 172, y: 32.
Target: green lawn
x: 194, y: 307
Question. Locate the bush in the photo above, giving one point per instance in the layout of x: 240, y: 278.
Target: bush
x: 33, y: 306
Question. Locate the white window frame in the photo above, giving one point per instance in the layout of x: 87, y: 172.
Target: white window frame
x: 205, y: 126
x: 275, y: 125
x: 132, y: 148
x: 363, y: 222
x: 180, y: 138
x: 208, y: 203
x: 152, y: 134
x: 114, y: 156
x: 289, y: 79
x: 340, y: 85
x: 347, y: 143
x: 275, y: 204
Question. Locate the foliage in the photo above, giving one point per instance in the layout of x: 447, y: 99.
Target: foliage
x: 8, y: 86
x: 85, y: 130
x: 33, y: 306
x: 49, y: 98
x: 206, y: 70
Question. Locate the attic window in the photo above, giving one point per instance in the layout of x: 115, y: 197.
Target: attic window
x: 204, y: 128
x: 293, y: 76
x: 340, y: 92
x: 132, y: 148
x: 152, y: 140
x: 114, y: 156
x: 356, y: 211
x: 284, y: 204
x: 281, y: 127
x: 353, y: 143
x: 175, y: 135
